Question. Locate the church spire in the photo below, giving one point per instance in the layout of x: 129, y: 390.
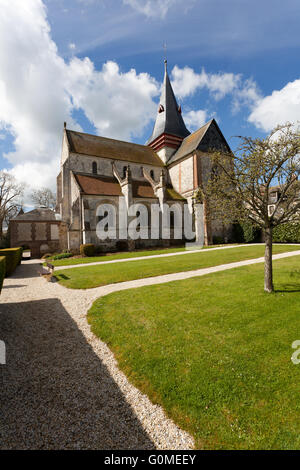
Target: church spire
x: 169, y: 128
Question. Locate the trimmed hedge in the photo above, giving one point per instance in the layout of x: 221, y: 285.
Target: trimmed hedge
x: 87, y: 249
x: 62, y: 256
x: 2, y: 270
x: 287, y: 233
x: 13, y: 258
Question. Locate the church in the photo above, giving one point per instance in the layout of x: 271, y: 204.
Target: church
x: 168, y: 170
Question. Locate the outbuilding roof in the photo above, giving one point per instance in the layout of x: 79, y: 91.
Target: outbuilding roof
x: 38, y: 214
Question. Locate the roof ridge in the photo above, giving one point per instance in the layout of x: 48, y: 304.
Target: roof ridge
x: 107, y: 138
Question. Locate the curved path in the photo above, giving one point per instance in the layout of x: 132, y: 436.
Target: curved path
x: 61, y: 387
x: 164, y: 255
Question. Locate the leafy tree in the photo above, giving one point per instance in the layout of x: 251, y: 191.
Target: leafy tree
x: 259, y: 183
x: 43, y: 197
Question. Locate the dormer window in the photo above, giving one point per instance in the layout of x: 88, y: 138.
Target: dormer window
x: 94, y: 168
x: 161, y: 108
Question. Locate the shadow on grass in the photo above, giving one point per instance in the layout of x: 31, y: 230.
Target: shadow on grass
x: 62, y: 276
x: 55, y: 391
x: 288, y: 288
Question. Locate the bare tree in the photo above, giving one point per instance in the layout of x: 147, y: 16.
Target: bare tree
x: 11, y: 193
x: 43, y: 197
x: 259, y: 184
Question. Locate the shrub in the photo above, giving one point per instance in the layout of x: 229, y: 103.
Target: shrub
x: 246, y: 232
x: 287, y: 233
x: 13, y: 258
x: 122, y: 245
x: 237, y: 233
x: 218, y: 240
x: 2, y: 270
x: 62, y: 256
x: 87, y: 249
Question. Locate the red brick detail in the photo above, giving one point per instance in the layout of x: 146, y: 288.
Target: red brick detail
x: 166, y: 140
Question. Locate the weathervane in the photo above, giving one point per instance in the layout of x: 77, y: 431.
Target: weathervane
x: 165, y: 49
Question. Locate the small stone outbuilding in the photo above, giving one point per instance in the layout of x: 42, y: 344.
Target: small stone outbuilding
x: 39, y: 229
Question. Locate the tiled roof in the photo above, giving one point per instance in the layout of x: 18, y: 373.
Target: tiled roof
x: 142, y: 189
x: 98, y: 185
x: 96, y: 146
x: 38, y: 214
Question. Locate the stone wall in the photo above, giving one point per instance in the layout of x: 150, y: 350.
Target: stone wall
x: 41, y: 237
x: 83, y: 164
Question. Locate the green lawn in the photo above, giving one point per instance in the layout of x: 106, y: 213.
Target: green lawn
x: 215, y: 352
x: 125, y: 255
x: 94, y: 276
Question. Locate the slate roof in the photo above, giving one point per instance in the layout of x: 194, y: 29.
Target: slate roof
x: 199, y: 140
x: 87, y: 144
x: 169, y: 120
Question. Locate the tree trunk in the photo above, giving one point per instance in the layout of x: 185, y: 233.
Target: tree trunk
x: 268, y: 260
x: 1, y: 228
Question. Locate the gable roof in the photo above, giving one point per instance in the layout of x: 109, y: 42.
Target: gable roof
x: 206, y: 138
x: 96, y: 146
x: 169, y: 119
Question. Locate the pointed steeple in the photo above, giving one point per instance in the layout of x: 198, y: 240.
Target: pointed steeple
x: 169, y: 128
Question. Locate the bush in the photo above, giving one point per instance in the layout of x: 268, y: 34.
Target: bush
x: 87, y: 249
x: 218, y: 240
x: 237, y: 233
x: 246, y: 232
x: 287, y: 233
x: 13, y: 258
x: 62, y: 256
x: 2, y: 270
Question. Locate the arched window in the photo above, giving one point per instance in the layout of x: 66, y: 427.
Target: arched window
x: 152, y: 174
x: 94, y: 168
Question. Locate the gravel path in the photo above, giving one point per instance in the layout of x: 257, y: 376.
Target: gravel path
x: 61, y: 387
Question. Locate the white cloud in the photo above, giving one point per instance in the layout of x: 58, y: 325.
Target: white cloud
x: 39, y: 91
x: 247, y: 95
x: 72, y: 46
x: 116, y: 103
x: 243, y: 92
x: 186, y: 82
x: 278, y: 108
x: 152, y: 8
x: 195, y: 119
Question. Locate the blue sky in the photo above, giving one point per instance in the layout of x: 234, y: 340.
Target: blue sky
x: 98, y: 64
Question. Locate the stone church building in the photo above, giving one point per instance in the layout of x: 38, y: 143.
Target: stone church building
x: 168, y: 169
